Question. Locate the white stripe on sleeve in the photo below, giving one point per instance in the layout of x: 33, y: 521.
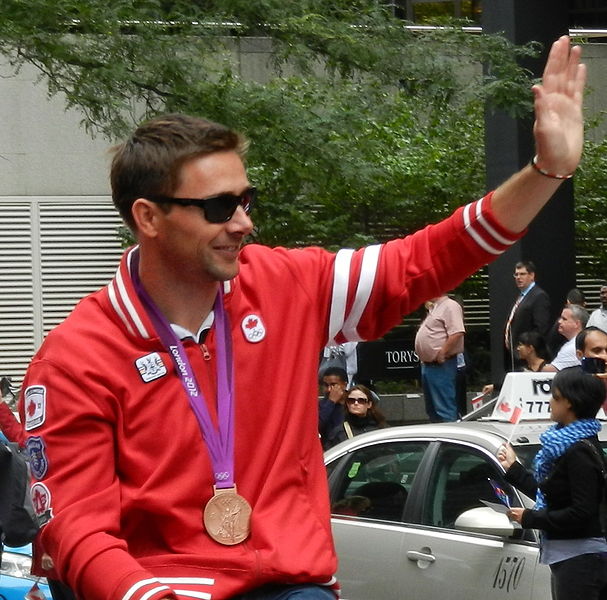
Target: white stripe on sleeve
x: 469, y: 228
x: 481, y: 219
x: 366, y: 280
x: 341, y: 278
x: 187, y: 580
x: 136, y: 587
x: 154, y: 591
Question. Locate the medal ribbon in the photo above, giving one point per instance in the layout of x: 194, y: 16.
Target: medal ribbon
x: 220, y: 440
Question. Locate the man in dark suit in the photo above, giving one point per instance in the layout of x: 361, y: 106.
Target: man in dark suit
x: 530, y: 311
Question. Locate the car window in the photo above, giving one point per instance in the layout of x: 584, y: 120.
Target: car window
x: 527, y: 452
x: 376, y: 480
x: 461, y: 477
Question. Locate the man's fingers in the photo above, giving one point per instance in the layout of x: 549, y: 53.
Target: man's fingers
x: 563, y: 72
x: 557, y: 64
x: 578, y: 82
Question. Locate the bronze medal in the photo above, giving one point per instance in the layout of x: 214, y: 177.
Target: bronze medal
x: 227, y: 517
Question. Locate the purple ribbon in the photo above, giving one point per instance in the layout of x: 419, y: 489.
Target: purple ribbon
x: 220, y: 440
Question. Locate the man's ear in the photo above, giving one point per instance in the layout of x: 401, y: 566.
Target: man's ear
x: 146, y: 215
x: 579, y: 354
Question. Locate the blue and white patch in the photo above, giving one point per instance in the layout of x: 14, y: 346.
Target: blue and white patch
x: 35, y: 406
x: 253, y: 328
x: 151, y: 367
x: 36, y: 450
x: 41, y: 499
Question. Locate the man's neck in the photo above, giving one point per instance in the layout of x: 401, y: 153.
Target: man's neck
x: 182, y: 306
x: 527, y: 288
x: 182, y: 302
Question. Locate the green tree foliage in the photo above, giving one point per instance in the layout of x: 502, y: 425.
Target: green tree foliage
x: 360, y: 128
x: 591, y: 217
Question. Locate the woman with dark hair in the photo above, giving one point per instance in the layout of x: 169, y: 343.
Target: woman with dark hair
x: 362, y: 415
x: 532, y: 349
x: 568, y: 485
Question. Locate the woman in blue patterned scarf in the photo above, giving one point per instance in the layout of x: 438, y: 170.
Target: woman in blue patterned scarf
x: 568, y: 485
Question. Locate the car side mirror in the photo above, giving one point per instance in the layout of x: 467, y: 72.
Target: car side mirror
x: 486, y: 520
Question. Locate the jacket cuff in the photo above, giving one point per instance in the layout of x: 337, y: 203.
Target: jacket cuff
x: 482, y: 226
x: 528, y: 519
x: 115, y: 575
x: 515, y: 472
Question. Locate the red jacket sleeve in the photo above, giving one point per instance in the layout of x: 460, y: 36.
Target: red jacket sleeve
x: 75, y: 440
x: 375, y: 286
x: 10, y: 426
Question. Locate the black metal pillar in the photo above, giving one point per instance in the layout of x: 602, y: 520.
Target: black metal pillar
x: 509, y: 146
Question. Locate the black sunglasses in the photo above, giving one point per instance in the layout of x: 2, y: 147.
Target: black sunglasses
x: 357, y: 400
x: 217, y: 209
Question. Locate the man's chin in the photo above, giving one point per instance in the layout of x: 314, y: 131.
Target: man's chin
x: 225, y: 273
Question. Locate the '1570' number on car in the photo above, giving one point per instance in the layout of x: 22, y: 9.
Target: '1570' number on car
x: 509, y: 573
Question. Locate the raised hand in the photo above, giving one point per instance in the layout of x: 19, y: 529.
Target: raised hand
x: 559, y: 125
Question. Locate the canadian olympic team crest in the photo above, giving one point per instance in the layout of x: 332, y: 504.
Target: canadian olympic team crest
x: 35, y: 406
x: 41, y: 500
x: 253, y: 328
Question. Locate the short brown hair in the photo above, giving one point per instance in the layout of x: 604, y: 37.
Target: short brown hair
x: 528, y: 265
x: 150, y: 160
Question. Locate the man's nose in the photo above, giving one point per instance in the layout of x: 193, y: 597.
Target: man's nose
x: 240, y: 222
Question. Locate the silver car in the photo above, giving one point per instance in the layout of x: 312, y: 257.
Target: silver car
x: 418, y: 512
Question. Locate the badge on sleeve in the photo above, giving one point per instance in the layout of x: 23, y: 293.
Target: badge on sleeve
x: 36, y: 450
x: 151, y: 367
x: 41, y: 499
x: 35, y: 406
x: 253, y: 328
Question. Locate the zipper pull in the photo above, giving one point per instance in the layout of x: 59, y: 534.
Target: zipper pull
x: 205, y: 352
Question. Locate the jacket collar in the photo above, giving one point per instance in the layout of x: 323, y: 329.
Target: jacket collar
x: 126, y: 303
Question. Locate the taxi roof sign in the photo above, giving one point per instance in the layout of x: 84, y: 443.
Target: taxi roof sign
x: 530, y: 393
x: 527, y: 391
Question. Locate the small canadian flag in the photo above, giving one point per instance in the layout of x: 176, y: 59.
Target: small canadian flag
x: 478, y: 401
x: 35, y: 593
x: 511, y: 412
x: 516, y: 415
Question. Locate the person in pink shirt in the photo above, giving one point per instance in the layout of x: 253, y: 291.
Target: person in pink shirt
x: 439, y: 340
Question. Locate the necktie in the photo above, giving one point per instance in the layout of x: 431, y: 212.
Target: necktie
x: 509, y: 321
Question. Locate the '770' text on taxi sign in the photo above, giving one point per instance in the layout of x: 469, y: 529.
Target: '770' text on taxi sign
x: 529, y: 392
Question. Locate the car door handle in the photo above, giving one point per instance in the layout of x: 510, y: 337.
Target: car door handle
x: 425, y: 556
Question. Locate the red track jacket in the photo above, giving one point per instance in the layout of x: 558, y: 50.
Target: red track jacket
x: 121, y: 473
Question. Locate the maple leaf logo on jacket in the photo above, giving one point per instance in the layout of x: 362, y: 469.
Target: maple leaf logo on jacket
x: 253, y: 328
x: 35, y: 406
